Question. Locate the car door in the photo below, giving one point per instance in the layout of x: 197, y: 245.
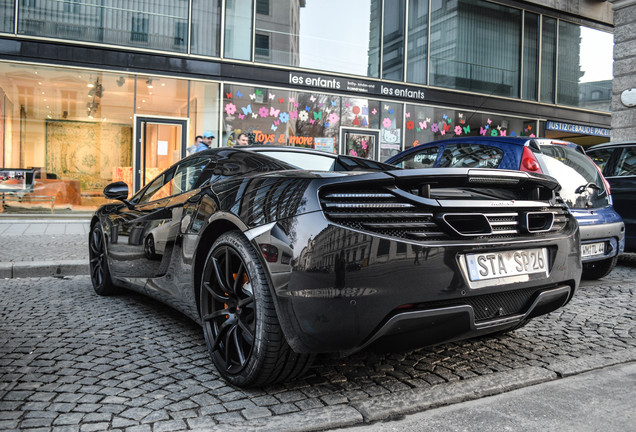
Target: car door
x: 621, y: 175
x: 143, y: 235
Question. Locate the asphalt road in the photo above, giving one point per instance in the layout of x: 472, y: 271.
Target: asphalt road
x: 74, y: 361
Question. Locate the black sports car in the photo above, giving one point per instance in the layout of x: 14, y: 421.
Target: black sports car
x: 278, y: 263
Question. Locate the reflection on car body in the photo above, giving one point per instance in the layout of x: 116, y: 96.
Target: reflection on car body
x: 278, y: 263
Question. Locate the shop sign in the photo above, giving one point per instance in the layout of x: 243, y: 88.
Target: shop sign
x: 578, y: 129
x: 357, y: 86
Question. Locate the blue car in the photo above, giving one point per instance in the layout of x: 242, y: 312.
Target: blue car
x: 584, y: 189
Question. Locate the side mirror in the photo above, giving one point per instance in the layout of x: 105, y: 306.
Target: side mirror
x: 118, y: 191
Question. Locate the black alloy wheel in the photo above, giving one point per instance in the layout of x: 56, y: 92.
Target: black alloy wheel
x: 239, y: 320
x: 98, y: 263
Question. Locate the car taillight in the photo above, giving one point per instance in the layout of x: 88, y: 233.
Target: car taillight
x: 270, y: 252
x: 605, y: 182
x: 529, y: 161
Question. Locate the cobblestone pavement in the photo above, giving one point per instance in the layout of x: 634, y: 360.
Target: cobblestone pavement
x: 73, y: 361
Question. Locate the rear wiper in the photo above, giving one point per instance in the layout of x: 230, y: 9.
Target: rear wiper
x: 583, y: 188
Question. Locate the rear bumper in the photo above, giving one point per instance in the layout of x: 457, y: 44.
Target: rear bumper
x: 612, y: 234
x: 402, y: 295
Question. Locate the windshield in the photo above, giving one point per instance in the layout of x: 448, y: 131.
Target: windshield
x: 581, y: 183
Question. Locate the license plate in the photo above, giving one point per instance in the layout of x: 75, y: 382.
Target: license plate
x: 491, y: 265
x: 592, y: 249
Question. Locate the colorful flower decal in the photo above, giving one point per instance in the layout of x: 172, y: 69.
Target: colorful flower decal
x: 303, y: 115
x: 386, y: 123
x: 434, y: 128
x: 353, y: 153
x: 284, y: 117
x: 364, y: 144
x: 410, y: 125
x: 263, y: 112
x: 274, y: 112
x: 230, y: 109
x: 458, y: 130
x: 333, y: 118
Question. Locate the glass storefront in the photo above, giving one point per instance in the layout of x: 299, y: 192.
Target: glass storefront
x: 74, y: 129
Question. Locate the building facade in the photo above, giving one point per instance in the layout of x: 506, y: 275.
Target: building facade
x: 98, y: 91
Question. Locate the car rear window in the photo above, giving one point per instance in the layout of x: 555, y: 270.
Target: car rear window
x: 471, y: 156
x: 626, y: 165
x: 601, y: 156
x: 581, y: 184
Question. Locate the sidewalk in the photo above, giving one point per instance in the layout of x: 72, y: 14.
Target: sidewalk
x: 38, y: 246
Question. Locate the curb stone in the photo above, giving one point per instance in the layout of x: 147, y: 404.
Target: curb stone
x: 26, y: 269
x: 331, y: 417
x: 411, y: 401
x: 565, y: 368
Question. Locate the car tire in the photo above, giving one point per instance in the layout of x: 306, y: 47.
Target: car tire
x: 98, y: 263
x: 240, y: 324
x: 598, y: 269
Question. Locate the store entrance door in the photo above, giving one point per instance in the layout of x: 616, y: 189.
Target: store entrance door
x: 160, y: 142
x: 360, y: 142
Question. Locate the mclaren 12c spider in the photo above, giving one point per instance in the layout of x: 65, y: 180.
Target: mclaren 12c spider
x: 283, y: 253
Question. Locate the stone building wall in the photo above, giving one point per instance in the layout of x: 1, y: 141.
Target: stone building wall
x: 624, y: 117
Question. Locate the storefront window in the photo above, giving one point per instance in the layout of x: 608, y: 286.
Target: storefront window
x: 417, y: 41
x: 7, y: 14
x: 160, y: 96
x: 206, y: 27
x: 281, y: 117
x: 204, y: 111
x: 475, y: 47
x: 584, y: 67
x: 328, y: 35
x: 425, y: 124
x: 238, y: 29
x: 390, y: 130
x: 73, y: 128
x: 161, y: 25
